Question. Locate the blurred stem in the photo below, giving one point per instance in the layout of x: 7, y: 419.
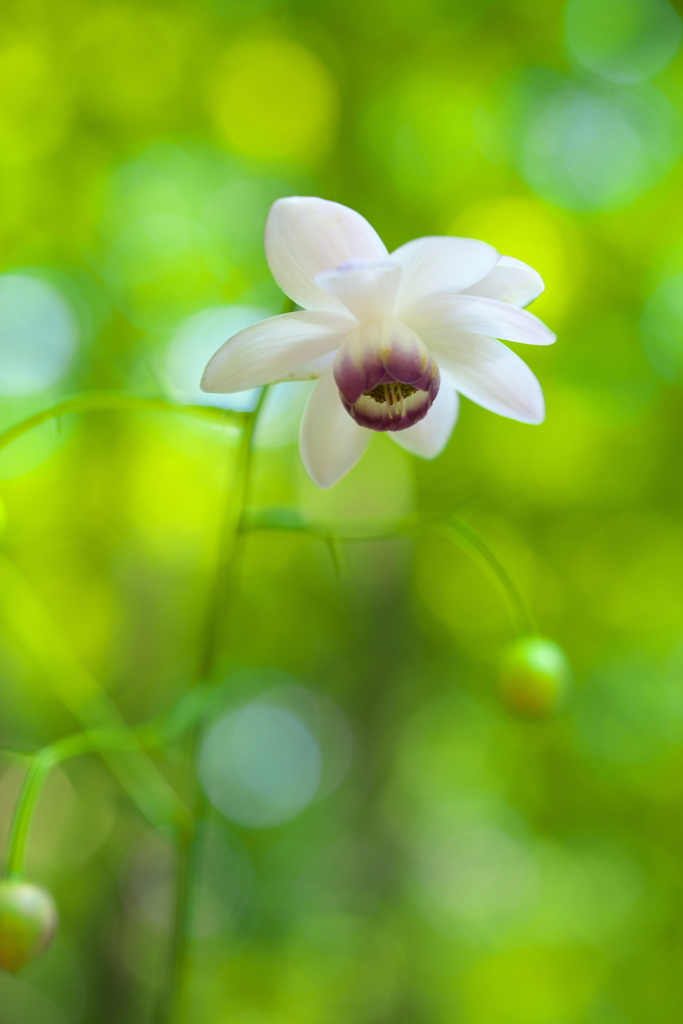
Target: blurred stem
x: 99, y: 741
x: 43, y: 641
x: 173, y: 1004
x: 104, y: 402
x: 23, y: 813
x: 456, y: 530
x: 461, y: 532
x: 73, y: 684
x: 39, y: 769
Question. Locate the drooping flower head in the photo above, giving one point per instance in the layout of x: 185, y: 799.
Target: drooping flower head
x: 392, y: 337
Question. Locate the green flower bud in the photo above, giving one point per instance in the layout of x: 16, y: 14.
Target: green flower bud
x: 534, y: 678
x: 28, y: 922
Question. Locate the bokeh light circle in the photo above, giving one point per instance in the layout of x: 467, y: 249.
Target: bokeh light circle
x: 589, y: 148
x: 260, y: 765
x: 193, y: 343
x: 273, y: 99
x: 622, y: 40
x: 130, y: 61
x: 532, y: 231
x: 475, y: 875
x: 160, y: 266
x: 35, y: 111
x: 38, y: 334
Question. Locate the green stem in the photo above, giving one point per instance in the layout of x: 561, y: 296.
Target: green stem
x: 39, y: 769
x: 188, y: 713
x: 152, y: 735
x: 38, y: 635
x: 172, y: 1009
x: 105, y: 402
x: 23, y: 813
x: 522, y: 615
x: 455, y: 530
x: 101, y: 741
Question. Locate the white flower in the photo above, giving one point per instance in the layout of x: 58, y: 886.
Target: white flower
x: 392, y: 337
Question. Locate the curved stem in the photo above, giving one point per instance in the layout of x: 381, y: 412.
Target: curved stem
x: 522, y: 615
x: 152, y: 735
x: 455, y: 529
x: 107, y: 402
x: 173, y: 1002
x: 39, y: 636
x: 23, y: 813
x: 39, y: 769
x: 187, y: 714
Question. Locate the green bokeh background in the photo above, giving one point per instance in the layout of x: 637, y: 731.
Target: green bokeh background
x: 455, y: 864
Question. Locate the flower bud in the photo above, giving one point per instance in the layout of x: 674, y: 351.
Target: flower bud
x: 534, y: 678
x: 28, y: 922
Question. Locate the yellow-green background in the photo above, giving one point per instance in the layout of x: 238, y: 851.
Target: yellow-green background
x: 468, y: 868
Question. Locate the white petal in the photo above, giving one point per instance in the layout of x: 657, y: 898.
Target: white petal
x: 285, y: 347
x: 330, y: 442
x: 305, y: 236
x: 429, y: 437
x: 510, y: 281
x: 441, y: 264
x: 490, y: 374
x: 479, y: 316
x: 367, y: 289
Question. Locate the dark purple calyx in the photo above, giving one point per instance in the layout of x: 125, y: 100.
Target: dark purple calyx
x: 386, y: 376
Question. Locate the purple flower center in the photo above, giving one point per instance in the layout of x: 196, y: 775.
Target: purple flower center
x: 386, y: 377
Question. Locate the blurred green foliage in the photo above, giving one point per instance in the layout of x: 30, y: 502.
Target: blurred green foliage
x: 388, y: 844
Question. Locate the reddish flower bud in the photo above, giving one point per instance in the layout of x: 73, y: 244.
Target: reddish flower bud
x: 28, y: 922
x: 534, y: 678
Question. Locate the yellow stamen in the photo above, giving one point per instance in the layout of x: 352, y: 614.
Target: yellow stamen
x: 394, y: 393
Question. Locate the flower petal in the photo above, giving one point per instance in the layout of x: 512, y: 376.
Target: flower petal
x: 330, y: 442
x: 441, y: 264
x: 429, y: 437
x: 382, y: 352
x: 305, y: 236
x: 490, y: 374
x: 285, y: 347
x: 510, y: 281
x: 479, y: 316
x: 366, y: 288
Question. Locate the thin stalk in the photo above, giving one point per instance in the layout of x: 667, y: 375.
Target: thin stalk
x: 522, y: 615
x: 73, y: 684
x: 99, y: 741
x: 23, y: 813
x: 40, y: 766
x: 107, y: 402
x: 32, y: 626
x: 454, y: 529
x: 173, y: 1001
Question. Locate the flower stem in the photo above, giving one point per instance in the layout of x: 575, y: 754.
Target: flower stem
x: 23, y: 813
x: 32, y: 626
x: 456, y: 530
x: 40, y: 764
x: 102, y: 401
x: 522, y: 616
x: 172, y: 1008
